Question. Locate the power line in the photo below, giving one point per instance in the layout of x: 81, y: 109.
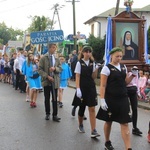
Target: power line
x: 25, y: 5
x: 3, y: 0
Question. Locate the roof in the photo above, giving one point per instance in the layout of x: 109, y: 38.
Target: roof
x: 111, y: 12
x: 144, y: 9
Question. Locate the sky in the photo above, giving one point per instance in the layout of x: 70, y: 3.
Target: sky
x: 16, y: 13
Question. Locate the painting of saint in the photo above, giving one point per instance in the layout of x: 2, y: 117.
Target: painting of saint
x: 127, y: 37
x: 130, y: 48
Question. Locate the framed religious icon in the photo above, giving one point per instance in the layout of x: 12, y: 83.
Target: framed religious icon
x: 127, y: 38
x: 128, y: 33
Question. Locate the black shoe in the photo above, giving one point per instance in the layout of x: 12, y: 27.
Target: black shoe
x: 40, y: 90
x: 108, y: 146
x: 136, y: 131
x: 56, y: 119
x: 73, y: 111
x: 47, y: 117
x: 60, y: 104
x: 84, y: 118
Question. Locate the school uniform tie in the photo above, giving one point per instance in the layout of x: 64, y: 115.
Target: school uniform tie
x: 51, y: 64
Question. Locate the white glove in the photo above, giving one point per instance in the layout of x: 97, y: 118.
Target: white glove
x: 78, y: 93
x: 97, y: 65
x: 135, y: 72
x: 103, y: 104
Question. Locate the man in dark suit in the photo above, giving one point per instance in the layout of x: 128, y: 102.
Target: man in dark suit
x: 49, y: 69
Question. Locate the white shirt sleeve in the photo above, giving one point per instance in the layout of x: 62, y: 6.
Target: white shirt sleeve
x: 94, y: 66
x: 15, y: 64
x: 105, y: 70
x: 78, y: 68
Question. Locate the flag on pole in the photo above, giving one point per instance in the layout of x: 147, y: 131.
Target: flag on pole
x: 146, y: 44
x: 108, y: 41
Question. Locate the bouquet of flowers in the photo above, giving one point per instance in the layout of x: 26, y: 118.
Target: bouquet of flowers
x: 128, y: 2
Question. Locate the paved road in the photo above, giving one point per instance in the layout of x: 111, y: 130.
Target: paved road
x: 24, y: 128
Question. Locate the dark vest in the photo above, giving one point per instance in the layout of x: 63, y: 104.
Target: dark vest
x: 86, y: 79
x: 116, y: 85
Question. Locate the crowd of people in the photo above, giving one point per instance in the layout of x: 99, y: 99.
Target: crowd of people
x: 118, y: 87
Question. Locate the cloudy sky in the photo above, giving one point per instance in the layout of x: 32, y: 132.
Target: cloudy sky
x: 15, y: 13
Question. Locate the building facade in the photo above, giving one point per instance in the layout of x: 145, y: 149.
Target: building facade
x: 98, y: 24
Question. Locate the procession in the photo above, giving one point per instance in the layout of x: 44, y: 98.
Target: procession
x: 79, y: 92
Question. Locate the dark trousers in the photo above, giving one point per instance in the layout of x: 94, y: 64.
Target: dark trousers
x: 47, y: 90
x: 17, y: 79
x: 73, y: 65
x: 149, y: 128
x: 133, y: 102
x: 13, y: 78
x: 22, y: 83
x: 81, y: 110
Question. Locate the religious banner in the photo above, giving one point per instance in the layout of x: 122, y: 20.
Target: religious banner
x: 42, y: 37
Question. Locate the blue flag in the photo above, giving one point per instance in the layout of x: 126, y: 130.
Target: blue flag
x: 146, y: 44
x: 108, y: 41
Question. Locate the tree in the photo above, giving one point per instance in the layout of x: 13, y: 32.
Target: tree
x: 117, y: 7
x: 7, y: 34
x: 16, y: 34
x: 98, y: 46
x: 39, y: 24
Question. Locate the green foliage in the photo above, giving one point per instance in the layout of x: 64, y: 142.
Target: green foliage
x: 39, y: 24
x: 7, y: 34
x: 12, y: 50
x: 98, y: 46
x: 1, y: 41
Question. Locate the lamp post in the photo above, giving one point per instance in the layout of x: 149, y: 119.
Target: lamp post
x: 74, y: 22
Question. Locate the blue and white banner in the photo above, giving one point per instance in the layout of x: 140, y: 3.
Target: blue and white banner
x: 42, y: 37
x: 146, y: 44
x: 108, y: 41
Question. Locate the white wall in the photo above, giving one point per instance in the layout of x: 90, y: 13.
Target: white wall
x: 147, y: 17
x: 100, y: 28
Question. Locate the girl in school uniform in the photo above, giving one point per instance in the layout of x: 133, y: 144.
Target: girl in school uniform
x: 65, y: 75
x: 114, y: 99
x: 2, y: 72
x: 86, y: 94
x: 30, y: 70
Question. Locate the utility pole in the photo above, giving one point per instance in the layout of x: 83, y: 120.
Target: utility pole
x: 56, y: 7
x: 74, y: 25
x: 74, y: 22
x: 117, y: 7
